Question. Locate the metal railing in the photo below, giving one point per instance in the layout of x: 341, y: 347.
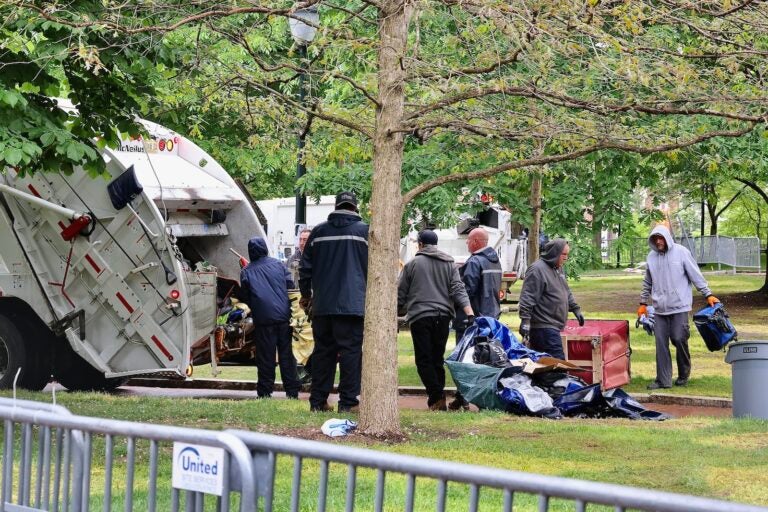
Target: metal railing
x: 733, y: 252
x: 449, y: 486
x: 56, y: 458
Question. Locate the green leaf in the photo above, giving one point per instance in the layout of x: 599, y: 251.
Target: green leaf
x: 13, y: 156
x: 75, y: 151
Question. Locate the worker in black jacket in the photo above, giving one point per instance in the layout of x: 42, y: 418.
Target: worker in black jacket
x: 264, y: 285
x: 332, y: 280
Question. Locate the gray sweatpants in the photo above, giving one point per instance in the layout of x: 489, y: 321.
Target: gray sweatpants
x: 673, y: 328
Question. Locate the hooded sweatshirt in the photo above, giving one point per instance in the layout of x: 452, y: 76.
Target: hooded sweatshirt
x: 334, y: 265
x: 668, y: 276
x: 430, y: 285
x: 546, y: 298
x: 481, y: 275
x: 264, y: 285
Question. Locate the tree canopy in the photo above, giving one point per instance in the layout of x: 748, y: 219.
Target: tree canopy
x: 417, y: 94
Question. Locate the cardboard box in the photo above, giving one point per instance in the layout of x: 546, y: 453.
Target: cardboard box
x: 544, y: 364
x: 601, y: 348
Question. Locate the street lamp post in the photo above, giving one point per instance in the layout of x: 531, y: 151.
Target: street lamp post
x: 303, y: 26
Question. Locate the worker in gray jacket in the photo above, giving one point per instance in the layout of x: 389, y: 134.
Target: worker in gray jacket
x: 546, y: 299
x: 669, y: 273
x: 428, y: 289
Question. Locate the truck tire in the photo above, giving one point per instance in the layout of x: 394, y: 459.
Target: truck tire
x: 75, y: 374
x: 31, y: 356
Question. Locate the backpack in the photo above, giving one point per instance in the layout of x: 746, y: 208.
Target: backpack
x: 714, y: 326
x: 490, y: 353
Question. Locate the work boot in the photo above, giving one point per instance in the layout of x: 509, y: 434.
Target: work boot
x: 458, y: 404
x: 439, y: 405
x: 325, y: 407
x: 657, y: 385
x: 681, y: 381
x: 354, y: 409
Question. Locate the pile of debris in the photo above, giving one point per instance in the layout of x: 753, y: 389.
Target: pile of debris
x: 493, y: 370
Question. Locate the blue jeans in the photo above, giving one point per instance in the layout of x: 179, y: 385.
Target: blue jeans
x: 547, y: 340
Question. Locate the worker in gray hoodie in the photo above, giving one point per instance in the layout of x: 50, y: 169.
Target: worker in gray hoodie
x: 428, y: 289
x: 546, y: 299
x: 669, y: 273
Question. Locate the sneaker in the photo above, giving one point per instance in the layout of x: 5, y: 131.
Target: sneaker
x: 657, y: 385
x: 458, y: 404
x: 439, y: 405
x: 354, y: 409
x: 681, y: 381
x: 325, y: 407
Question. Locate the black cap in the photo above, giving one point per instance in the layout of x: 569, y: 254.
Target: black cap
x: 427, y: 237
x: 346, y: 198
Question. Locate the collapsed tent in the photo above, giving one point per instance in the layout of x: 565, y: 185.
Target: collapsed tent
x: 493, y: 370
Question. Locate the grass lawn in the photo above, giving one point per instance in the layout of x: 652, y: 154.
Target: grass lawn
x: 615, y: 295
x: 714, y: 457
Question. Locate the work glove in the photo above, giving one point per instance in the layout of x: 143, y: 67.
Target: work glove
x: 642, y: 310
x: 525, y: 329
x: 305, y: 303
x: 470, y: 321
x: 712, y: 300
x: 579, y: 317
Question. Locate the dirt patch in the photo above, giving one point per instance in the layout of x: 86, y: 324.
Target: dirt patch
x: 357, y: 438
x: 745, y: 303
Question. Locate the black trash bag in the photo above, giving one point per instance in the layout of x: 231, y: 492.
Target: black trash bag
x: 584, y: 402
x: 490, y: 353
x: 625, y: 406
x: 124, y: 189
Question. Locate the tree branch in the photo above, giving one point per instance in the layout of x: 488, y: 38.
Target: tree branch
x: 551, y: 159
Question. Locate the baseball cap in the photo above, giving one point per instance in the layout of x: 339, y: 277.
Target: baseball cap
x: 427, y: 237
x: 346, y: 198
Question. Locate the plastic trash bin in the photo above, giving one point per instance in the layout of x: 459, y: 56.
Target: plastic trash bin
x: 749, y: 368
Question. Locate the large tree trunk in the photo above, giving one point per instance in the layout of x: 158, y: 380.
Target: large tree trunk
x: 535, y: 202
x: 379, y: 414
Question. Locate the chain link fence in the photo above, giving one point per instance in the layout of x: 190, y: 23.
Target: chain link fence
x: 737, y: 253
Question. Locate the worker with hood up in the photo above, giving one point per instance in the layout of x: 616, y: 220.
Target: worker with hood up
x: 546, y: 299
x: 669, y: 273
x: 264, y: 285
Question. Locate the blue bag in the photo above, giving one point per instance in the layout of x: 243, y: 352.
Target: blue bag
x: 714, y: 326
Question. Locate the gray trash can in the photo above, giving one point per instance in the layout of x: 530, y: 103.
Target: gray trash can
x: 749, y: 368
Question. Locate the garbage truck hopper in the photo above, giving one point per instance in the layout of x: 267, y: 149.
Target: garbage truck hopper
x: 114, y: 276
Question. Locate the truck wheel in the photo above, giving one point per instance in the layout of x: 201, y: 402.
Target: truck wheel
x: 31, y: 357
x: 75, y: 374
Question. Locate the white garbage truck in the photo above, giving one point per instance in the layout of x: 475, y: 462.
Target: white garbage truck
x: 118, y: 275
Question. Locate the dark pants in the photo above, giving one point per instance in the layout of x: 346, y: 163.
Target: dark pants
x: 268, y: 339
x: 430, y: 334
x: 672, y: 328
x: 547, y: 340
x: 336, y: 337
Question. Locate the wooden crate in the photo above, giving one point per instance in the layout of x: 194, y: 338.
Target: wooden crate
x: 601, y: 348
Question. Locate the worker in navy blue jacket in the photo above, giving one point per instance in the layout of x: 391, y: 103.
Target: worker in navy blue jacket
x: 332, y: 280
x: 481, y: 275
x: 264, y: 285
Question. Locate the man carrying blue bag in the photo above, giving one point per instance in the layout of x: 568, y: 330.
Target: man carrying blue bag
x: 669, y: 274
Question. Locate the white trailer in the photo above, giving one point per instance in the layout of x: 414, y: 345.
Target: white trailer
x: 496, y: 221
x: 280, y: 214
x: 93, y: 291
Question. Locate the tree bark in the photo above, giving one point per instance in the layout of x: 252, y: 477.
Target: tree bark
x: 379, y: 413
x: 535, y: 202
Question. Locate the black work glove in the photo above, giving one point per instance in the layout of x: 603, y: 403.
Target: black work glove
x: 525, y: 328
x: 470, y: 321
x: 305, y: 303
x: 579, y: 317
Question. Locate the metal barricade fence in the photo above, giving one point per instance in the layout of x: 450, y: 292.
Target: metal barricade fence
x: 282, y: 466
x: 56, y: 452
